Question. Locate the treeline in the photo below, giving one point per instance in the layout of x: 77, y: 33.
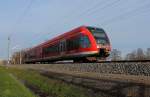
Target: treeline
x: 138, y: 54
x: 18, y: 57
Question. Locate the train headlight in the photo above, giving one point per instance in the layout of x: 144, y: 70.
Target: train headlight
x: 98, y: 46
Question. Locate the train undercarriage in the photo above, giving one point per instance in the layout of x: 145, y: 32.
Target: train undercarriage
x: 97, y: 57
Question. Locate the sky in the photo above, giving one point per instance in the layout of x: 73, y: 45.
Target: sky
x: 31, y: 22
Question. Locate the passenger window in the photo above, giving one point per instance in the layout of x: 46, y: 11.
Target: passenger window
x: 85, y: 43
x: 72, y: 44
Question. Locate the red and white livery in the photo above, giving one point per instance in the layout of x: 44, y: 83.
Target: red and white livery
x: 79, y: 44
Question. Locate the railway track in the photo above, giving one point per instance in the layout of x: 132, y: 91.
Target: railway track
x: 102, y: 61
x: 117, y: 78
x: 124, y: 61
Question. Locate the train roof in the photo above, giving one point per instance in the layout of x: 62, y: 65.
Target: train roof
x: 78, y: 28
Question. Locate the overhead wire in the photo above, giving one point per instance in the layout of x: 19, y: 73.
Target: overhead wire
x: 29, y: 6
x: 101, y: 9
x: 11, y: 35
x: 71, y: 14
x: 87, y: 12
x: 127, y: 14
x: 91, y: 11
x: 82, y: 13
x: 21, y: 17
x: 95, y: 10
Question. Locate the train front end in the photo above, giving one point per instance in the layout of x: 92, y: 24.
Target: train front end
x: 102, y: 41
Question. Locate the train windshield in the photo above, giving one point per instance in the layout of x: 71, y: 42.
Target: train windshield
x: 99, y: 35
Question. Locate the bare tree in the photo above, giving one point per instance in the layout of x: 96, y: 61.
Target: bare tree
x: 115, y: 55
x: 18, y: 57
x: 148, y: 54
x: 15, y: 58
x: 140, y: 54
x: 136, y: 55
x: 131, y: 56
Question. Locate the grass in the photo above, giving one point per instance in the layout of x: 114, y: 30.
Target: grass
x: 48, y: 86
x: 10, y: 87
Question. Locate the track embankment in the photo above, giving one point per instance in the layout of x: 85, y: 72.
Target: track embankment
x: 119, y: 79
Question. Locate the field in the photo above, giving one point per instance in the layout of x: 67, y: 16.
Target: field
x: 10, y: 87
x: 16, y: 82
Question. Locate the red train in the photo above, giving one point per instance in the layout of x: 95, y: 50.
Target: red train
x: 84, y: 43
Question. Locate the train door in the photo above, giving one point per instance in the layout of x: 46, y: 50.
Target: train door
x: 62, y: 47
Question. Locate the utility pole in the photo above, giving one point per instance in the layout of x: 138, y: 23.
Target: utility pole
x: 20, y: 57
x: 8, y: 61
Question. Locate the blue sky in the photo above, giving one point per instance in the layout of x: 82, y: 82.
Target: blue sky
x: 30, y: 22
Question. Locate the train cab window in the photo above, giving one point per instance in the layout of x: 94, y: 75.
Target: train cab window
x: 101, y: 40
x: 84, y: 42
x: 99, y: 35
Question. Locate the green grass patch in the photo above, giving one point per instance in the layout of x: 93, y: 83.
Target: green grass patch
x: 51, y: 87
x: 10, y: 87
